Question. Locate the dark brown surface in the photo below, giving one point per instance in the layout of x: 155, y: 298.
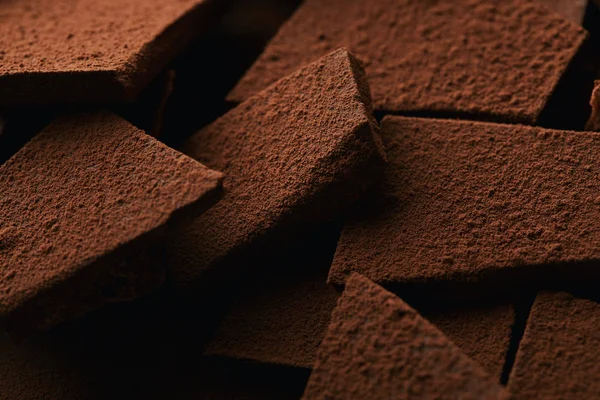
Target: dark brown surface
x: 294, y: 155
x: 573, y: 10
x: 470, y: 202
x: 84, y: 208
x: 377, y: 347
x: 593, y: 123
x: 558, y: 355
x: 91, y: 51
x: 498, y: 60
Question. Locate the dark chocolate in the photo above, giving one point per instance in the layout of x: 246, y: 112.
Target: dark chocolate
x: 493, y: 60
x: 294, y: 155
x: 471, y: 202
x: 85, y: 205
x: 557, y: 355
x: 378, y: 347
x: 91, y: 51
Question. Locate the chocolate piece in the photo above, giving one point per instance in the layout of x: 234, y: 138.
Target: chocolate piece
x: 91, y: 51
x: 84, y: 206
x: 496, y: 61
x: 465, y: 202
x: 593, y: 123
x: 294, y: 155
x: 279, y: 322
x: 377, y: 347
x: 573, y: 10
x: 557, y: 356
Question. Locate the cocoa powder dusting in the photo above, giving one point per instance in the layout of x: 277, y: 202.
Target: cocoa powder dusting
x: 593, y: 123
x: 90, y: 51
x: 377, y: 347
x: 498, y: 60
x: 557, y: 357
x: 466, y: 202
x: 84, y: 207
x: 293, y: 155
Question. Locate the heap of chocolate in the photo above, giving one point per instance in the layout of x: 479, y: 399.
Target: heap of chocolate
x: 377, y: 203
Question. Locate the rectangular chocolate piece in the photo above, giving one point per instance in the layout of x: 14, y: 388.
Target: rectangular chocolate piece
x: 294, y: 155
x: 377, y: 347
x: 91, y: 51
x: 471, y: 206
x: 85, y: 205
x: 494, y: 60
x: 558, y: 354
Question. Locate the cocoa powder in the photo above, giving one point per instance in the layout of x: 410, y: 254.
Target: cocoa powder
x: 494, y: 60
x: 475, y: 206
x: 294, y: 155
x: 85, y: 205
x: 91, y: 51
x: 377, y: 347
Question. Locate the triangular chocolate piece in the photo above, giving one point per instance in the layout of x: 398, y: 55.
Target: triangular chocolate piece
x: 378, y: 347
x: 295, y: 154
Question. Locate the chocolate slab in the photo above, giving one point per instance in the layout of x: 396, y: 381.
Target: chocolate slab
x: 573, y: 10
x: 295, y: 154
x: 378, y: 347
x: 558, y: 354
x: 497, y: 61
x: 91, y: 51
x: 593, y: 123
x: 284, y: 322
x: 471, y: 202
x: 85, y: 206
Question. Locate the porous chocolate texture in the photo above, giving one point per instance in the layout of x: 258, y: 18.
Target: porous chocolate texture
x: 91, y: 51
x: 295, y: 154
x: 471, y: 202
x: 85, y: 205
x: 283, y: 323
x: 377, y: 347
x: 573, y: 10
x: 499, y: 60
x: 558, y: 354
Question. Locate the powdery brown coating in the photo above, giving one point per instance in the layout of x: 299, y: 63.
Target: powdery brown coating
x: 285, y: 324
x: 573, y: 10
x: 558, y: 355
x: 498, y: 60
x: 84, y: 206
x: 593, y: 123
x: 482, y: 332
x: 294, y: 154
x: 73, y: 51
x: 465, y: 202
x: 377, y: 347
